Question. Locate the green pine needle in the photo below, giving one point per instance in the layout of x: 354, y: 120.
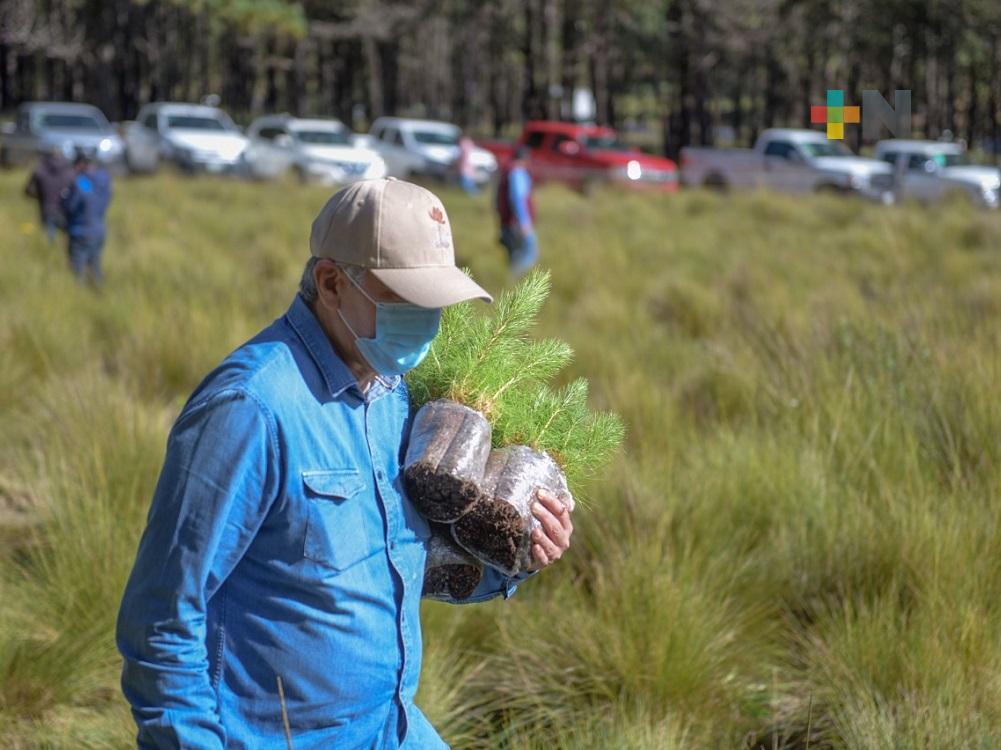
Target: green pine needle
x: 490, y: 364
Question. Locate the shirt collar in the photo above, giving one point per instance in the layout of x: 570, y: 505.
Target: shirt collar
x: 335, y: 373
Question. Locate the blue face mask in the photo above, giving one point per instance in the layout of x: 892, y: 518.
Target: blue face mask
x: 403, y: 335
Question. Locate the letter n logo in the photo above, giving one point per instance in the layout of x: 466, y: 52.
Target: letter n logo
x: 876, y: 111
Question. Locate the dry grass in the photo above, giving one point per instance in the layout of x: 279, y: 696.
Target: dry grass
x: 798, y: 547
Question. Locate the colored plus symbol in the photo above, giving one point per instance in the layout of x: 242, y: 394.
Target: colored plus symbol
x: 835, y: 114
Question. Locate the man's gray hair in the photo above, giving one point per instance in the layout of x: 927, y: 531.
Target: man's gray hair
x: 307, y: 284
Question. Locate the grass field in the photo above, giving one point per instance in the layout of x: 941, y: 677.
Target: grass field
x: 797, y: 548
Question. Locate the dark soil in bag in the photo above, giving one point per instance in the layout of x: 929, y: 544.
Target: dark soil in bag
x: 450, y: 572
x: 498, y: 529
x: 446, y: 458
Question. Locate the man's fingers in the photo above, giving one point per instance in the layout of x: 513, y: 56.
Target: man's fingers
x: 549, y: 546
x: 555, y: 504
x: 556, y: 528
x: 541, y: 559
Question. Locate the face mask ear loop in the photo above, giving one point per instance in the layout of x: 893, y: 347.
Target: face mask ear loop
x: 382, y: 381
x: 364, y: 294
x: 359, y: 288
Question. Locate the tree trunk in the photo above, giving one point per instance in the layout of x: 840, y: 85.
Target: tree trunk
x: 6, y: 101
x: 600, y: 63
x: 992, y: 102
x: 373, y: 79
x: 532, y: 108
x: 679, y: 121
x: 568, y: 78
x: 972, y: 109
x: 552, y: 84
x: 497, y: 70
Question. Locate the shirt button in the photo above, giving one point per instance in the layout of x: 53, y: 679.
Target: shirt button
x: 379, y: 475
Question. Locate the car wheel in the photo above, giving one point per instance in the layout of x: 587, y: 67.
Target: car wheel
x: 588, y: 185
x: 827, y: 188
x: 134, y: 168
x: 717, y: 182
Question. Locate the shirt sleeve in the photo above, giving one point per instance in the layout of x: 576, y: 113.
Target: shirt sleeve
x: 520, y: 184
x: 494, y: 584
x: 217, y: 485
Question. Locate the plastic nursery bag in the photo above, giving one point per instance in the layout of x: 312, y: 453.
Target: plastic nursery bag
x: 498, y: 529
x: 449, y: 573
x: 446, y: 458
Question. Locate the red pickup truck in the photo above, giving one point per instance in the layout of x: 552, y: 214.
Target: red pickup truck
x: 584, y: 156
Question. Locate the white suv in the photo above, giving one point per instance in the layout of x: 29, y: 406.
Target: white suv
x: 195, y: 137
x: 316, y: 150
x: 425, y: 147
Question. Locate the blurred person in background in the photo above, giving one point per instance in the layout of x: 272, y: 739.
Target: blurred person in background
x: 51, y: 176
x: 516, y: 211
x: 464, y: 163
x: 84, y: 205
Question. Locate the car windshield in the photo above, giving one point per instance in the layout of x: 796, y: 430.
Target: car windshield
x: 604, y: 143
x: 195, y: 122
x: 323, y: 137
x: 825, y: 149
x: 436, y: 137
x: 65, y: 121
x: 951, y: 160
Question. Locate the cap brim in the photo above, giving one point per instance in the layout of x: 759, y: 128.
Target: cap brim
x: 431, y: 286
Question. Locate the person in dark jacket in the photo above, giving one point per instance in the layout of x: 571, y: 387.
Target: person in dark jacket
x: 516, y: 211
x: 84, y: 204
x: 52, y: 175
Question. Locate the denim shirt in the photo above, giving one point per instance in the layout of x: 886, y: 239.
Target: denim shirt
x: 280, y: 545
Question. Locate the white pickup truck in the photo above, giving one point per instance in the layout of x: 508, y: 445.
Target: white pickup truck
x: 795, y: 161
x: 930, y: 170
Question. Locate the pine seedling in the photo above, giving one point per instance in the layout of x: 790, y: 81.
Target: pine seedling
x: 489, y: 364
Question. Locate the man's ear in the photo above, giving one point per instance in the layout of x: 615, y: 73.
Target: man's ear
x: 329, y: 283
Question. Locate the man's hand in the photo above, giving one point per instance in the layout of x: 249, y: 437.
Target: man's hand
x: 553, y: 538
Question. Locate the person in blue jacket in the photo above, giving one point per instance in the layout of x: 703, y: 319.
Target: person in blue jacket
x: 281, y: 570
x: 84, y: 205
x: 516, y: 211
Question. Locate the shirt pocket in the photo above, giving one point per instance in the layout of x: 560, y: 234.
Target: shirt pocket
x: 337, y: 531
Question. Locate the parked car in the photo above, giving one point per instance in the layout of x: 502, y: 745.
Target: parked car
x: 930, y: 170
x: 796, y: 161
x: 315, y: 150
x: 42, y: 126
x: 585, y: 155
x: 425, y: 147
x: 195, y: 137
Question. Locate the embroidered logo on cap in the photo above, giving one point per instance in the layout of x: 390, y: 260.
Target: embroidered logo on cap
x: 437, y: 215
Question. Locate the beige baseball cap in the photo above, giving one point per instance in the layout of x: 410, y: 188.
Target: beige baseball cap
x: 400, y: 232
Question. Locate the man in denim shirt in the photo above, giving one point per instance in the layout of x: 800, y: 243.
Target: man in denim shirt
x: 280, y: 549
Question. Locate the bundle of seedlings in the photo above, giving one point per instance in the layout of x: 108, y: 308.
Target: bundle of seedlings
x: 490, y: 430
x: 450, y: 572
